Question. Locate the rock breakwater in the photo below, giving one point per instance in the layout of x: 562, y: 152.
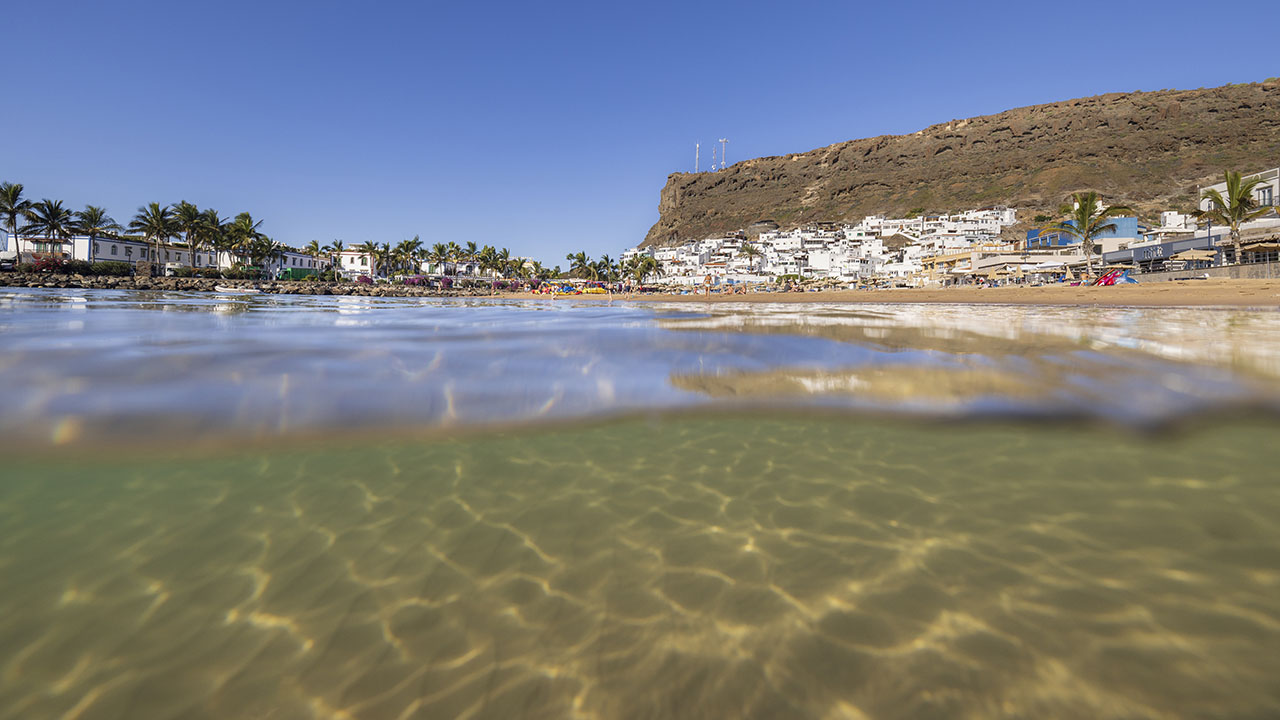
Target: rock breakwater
x: 97, y: 282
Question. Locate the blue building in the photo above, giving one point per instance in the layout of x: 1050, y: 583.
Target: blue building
x: 1124, y: 227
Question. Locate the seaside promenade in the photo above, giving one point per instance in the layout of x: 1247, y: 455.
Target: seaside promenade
x: 1224, y: 292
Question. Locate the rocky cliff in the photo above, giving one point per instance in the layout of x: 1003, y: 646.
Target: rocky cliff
x: 1148, y: 149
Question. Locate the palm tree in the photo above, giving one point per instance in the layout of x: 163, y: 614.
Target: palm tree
x: 536, y: 270
x: 48, y: 219
x: 156, y: 224
x: 606, y: 267
x: 335, y: 250
x: 95, y: 222
x: 1086, y: 219
x: 214, y: 233
x: 313, y: 251
x: 642, y: 266
x: 386, y: 257
x: 438, y: 255
x: 369, y: 248
x: 190, y: 220
x: 580, y: 264
x: 260, y: 249
x: 455, y: 255
x: 503, y: 260
x: 13, y: 207
x: 245, y: 237
x: 1238, y: 206
x: 470, y: 253
x: 751, y: 252
x: 275, y: 250
x: 408, y: 252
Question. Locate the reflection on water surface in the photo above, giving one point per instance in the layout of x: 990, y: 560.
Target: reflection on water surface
x: 114, y: 366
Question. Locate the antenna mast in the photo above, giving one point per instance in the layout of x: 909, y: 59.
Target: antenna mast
x: 697, y: 148
x: 723, y: 141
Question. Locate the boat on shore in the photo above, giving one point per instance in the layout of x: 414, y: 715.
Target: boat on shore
x: 231, y: 290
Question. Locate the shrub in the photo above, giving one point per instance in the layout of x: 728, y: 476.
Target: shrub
x: 238, y: 274
x: 446, y: 282
x: 310, y: 278
x: 415, y: 280
x: 26, y: 268
x: 364, y: 280
x: 186, y: 272
x: 49, y: 264
x: 210, y: 273
x: 112, y: 268
x: 77, y: 267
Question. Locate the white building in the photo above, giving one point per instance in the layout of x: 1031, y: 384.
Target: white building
x: 1266, y: 193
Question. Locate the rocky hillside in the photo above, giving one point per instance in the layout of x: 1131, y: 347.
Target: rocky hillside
x: 1148, y: 149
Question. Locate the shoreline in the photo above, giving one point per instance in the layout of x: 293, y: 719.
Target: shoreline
x: 1211, y: 292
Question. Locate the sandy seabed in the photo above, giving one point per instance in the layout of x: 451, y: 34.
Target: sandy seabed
x: 704, y: 568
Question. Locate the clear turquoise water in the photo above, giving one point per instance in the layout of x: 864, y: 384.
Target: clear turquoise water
x: 274, y: 508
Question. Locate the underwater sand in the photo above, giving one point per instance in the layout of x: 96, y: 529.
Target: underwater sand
x: 660, y: 567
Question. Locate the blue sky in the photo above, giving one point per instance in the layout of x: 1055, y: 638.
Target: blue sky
x: 546, y: 128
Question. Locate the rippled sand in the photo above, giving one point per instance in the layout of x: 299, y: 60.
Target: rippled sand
x: 679, y: 568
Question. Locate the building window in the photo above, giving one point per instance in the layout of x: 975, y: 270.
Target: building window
x: 113, y: 250
x: 128, y: 252
x: 1264, y: 196
x: 364, y: 261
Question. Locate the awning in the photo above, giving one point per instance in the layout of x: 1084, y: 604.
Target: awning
x: 1261, y: 247
x: 1195, y: 255
x: 1049, y: 265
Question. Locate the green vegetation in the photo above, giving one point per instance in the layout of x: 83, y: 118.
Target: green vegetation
x: 49, y: 221
x: 111, y: 268
x: 580, y: 264
x: 640, y: 267
x: 751, y: 253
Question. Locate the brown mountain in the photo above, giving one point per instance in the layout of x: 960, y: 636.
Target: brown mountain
x: 1147, y: 149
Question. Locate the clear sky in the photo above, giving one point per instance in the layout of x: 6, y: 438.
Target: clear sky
x: 544, y: 127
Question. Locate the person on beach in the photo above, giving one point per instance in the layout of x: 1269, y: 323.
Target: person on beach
x: 706, y: 284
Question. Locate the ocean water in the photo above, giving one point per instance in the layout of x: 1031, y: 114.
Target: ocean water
x: 318, y: 508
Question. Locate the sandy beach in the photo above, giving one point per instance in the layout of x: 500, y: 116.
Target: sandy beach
x: 1223, y: 292
x: 1182, y: 293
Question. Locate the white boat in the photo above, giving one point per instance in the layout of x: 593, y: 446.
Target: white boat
x: 230, y: 290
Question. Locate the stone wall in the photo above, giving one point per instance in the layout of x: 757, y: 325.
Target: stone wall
x: 1254, y: 271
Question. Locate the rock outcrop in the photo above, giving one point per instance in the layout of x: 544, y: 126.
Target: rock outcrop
x: 1147, y: 149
